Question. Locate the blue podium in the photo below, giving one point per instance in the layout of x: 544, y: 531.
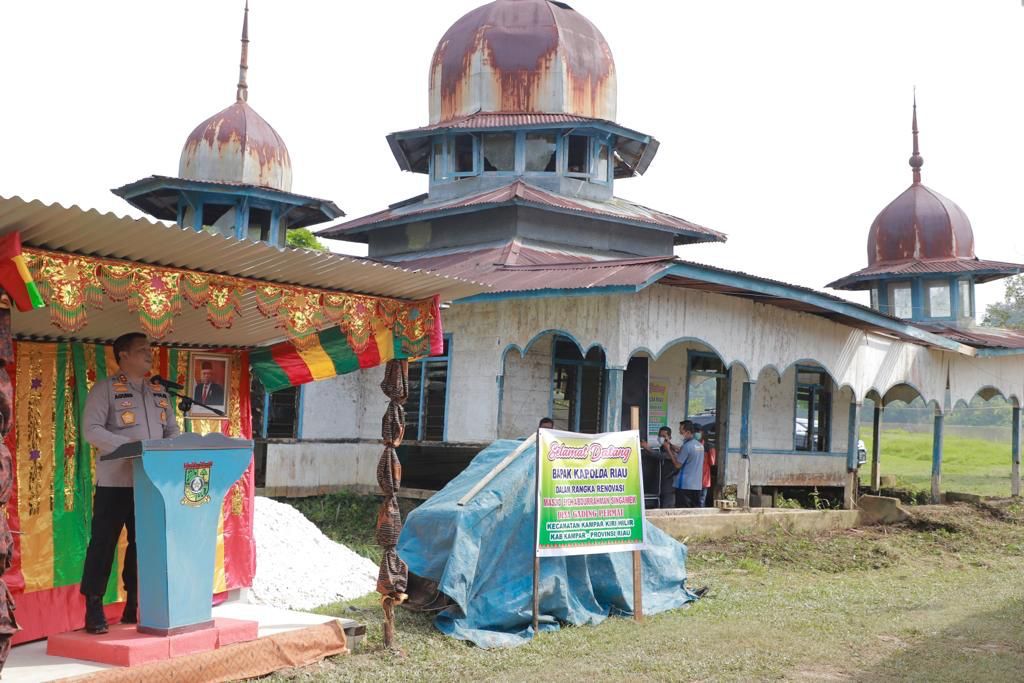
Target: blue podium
x: 180, y: 485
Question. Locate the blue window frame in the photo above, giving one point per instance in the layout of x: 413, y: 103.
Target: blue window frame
x: 276, y: 415
x: 426, y: 410
x: 577, y: 387
x: 812, y: 424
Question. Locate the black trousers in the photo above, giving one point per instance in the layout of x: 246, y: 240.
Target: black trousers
x: 113, y: 509
x: 685, y: 498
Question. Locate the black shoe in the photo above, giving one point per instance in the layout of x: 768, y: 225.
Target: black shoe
x: 131, y: 612
x: 95, y: 620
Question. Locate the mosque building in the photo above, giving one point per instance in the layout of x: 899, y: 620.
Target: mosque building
x: 591, y: 314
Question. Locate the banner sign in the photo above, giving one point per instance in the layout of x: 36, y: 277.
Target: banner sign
x: 590, y: 495
x: 657, y: 405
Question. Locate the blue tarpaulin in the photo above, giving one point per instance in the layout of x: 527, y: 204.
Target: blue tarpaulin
x: 481, y: 556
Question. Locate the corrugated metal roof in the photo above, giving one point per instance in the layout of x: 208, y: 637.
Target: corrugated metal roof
x: 158, y: 195
x: 521, y: 193
x: 91, y: 233
x: 633, y: 151
x: 482, y: 119
x: 519, y: 267
x: 984, y: 270
x: 979, y: 337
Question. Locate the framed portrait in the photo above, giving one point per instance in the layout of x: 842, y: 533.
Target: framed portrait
x: 208, y: 384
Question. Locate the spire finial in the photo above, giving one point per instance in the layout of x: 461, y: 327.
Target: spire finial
x: 916, y: 160
x: 243, y: 66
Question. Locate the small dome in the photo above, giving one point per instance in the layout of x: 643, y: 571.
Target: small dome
x: 522, y: 56
x: 920, y: 224
x: 237, y: 145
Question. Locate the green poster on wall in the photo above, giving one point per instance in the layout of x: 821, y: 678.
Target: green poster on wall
x: 590, y: 496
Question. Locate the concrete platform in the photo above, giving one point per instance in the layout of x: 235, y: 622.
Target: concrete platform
x: 713, y: 523
x: 123, y: 645
x: 30, y: 662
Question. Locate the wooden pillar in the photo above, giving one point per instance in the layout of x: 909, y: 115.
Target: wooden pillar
x: 612, y: 412
x: 1015, y: 455
x: 743, y: 488
x: 937, y: 459
x: 876, y: 435
x: 852, y: 465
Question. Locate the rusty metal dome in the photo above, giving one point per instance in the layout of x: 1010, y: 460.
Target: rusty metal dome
x: 920, y: 224
x: 236, y: 145
x: 522, y: 56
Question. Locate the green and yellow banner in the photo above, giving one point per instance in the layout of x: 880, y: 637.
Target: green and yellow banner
x: 590, y: 493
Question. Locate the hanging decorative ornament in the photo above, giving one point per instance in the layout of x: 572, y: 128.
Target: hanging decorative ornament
x: 268, y: 298
x: 414, y: 326
x: 224, y: 302
x: 156, y: 295
x: 356, y: 320
x: 301, y: 316
x: 195, y: 287
x: 116, y: 280
x: 68, y: 284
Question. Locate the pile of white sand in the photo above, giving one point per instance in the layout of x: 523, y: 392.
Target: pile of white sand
x: 297, y: 567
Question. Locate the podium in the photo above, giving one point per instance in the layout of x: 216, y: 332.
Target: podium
x: 180, y: 485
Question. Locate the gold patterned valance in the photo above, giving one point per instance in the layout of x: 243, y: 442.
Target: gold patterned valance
x: 71, y: 285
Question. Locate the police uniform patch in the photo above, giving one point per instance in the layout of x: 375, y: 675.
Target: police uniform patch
x: 162, y: 403
x: 163, y: 417
x: 118, y: 387
x: 127, y: 418
x: 127, y: 404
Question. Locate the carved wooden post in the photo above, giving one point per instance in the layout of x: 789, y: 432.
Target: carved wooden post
x: 393, y: 577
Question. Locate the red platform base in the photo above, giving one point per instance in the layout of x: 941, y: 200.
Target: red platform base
x: 124, y: 646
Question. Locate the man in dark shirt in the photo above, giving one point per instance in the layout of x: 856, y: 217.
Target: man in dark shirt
x: 664, y: 452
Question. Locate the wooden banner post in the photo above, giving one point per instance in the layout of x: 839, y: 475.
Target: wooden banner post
x: 638, y: 577
x: 536, y: 522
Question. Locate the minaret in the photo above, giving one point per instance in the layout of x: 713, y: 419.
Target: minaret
x: 916, y: 160
x: 234, y: 176
x: 242, y: 94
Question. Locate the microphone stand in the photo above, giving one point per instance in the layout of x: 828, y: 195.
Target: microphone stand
x: 185, y: 403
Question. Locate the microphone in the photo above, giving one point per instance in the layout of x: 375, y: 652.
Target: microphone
x: 166, y: 383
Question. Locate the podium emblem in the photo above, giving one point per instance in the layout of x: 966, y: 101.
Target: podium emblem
x: 197, y: 483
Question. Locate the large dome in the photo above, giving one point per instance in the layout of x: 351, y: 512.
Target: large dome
x: 919, y: 225
x: 522, y: 56
x: 237, y: 145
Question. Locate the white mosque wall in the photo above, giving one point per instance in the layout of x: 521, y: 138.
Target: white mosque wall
x: 501, y: 355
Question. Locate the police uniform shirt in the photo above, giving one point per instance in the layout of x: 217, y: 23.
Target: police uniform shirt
x: 119, y: 411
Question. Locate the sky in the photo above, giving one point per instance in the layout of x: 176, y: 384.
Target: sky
x: 784, y: 124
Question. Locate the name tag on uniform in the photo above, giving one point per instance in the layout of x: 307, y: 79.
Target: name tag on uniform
x: 126, y: 394
x: 127, y: 418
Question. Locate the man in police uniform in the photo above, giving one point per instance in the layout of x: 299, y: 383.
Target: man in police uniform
x: 122, y: 408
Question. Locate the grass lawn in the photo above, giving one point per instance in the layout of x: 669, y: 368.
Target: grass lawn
x: 968, y: 465
x: 939, y: 598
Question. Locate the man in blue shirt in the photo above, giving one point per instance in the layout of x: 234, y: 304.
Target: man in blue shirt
x: 690, y: 462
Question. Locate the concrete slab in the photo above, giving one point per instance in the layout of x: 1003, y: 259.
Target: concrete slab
x: 30, y: 663
x: 713, y: 523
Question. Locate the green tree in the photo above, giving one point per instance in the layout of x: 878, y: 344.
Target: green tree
x: 301, y: 238
x: 1008, y: 313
